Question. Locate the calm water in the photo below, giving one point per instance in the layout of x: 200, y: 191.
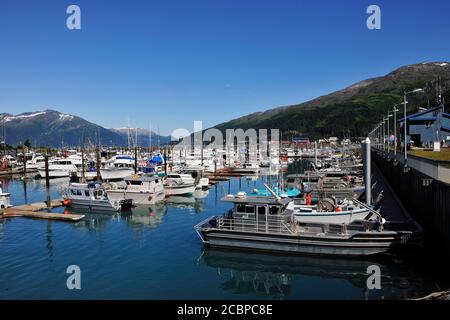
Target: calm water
x: 154, y: 253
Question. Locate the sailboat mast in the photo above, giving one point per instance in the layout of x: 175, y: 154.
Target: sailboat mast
x: 150, y: 138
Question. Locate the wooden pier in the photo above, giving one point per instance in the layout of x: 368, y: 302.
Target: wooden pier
x: 36, y: 211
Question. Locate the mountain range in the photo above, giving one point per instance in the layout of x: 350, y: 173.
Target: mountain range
x: 55, y: 129
x: 350, y: 112
x: 353, y: 111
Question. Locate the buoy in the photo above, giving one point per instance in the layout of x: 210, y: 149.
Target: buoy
x: 338, y: 209
x: 66, y: 202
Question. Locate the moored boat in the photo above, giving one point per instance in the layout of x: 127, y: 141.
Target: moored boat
x: 120, y: 168
x: 264, y: 223
x: 142, y: 189
x: 93, y: 197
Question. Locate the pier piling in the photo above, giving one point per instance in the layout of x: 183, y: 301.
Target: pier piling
x: 47, y: 181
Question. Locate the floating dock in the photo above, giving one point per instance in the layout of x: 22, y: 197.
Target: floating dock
x: 36, y: 211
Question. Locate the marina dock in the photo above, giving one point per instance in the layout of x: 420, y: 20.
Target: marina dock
x: 36, y: 211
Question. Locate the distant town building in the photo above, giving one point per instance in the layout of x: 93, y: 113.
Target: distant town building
x: 304, y: 141
x: 427, y: 126
x: 333, y: 140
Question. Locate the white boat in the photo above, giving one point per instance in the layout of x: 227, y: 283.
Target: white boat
x: 181, y: 177
x: 4, y: 198
x: 119, y: 169
x: 59, y: 168
x: 195, y: 172
x: 141, y: 189
x: 175, y: 186
x: 246, y: 168
x: 34, y: 161
x: 92, y: 197
x: 345, y: 212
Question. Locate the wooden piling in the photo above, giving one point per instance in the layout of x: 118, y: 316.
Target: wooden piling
x: 47, y: 180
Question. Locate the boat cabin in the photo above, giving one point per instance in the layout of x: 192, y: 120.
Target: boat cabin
x: 261, y: 212
x: 91, y: 191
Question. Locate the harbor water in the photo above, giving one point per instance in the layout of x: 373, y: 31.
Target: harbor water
x: 153, y: 252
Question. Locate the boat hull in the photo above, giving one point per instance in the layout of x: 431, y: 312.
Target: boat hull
x: 137, y: 197
x: 298, y: 244
x: 101, y: 206
x: 110, y: 174
x: 332, y: 217
x: 179, y: 190
x: 55, y: 173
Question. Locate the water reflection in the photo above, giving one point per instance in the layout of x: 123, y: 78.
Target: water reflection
x: 194, y: 203
x: 147, y: 216
x: 279, y: 276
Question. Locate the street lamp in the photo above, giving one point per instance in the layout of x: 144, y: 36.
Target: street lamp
x: 395, y: 128
x: 404, y: 123
x: 380, y: 133
x: 388, y: 116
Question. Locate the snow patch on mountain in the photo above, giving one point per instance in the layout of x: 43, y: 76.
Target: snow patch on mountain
x: 23, y: 116
x: 65, y: 117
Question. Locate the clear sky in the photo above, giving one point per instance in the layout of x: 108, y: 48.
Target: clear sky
x: 172, y: 62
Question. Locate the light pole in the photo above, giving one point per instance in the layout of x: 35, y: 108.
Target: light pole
x: 388, y: 116
x: 380, y: 133
x: 395, y: 128
x: 404, y: 122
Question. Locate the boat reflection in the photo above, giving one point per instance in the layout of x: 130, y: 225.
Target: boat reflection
x: 145, y: 215
x: 191, y: 203
x: 273, y: 275
x: 92, y: 221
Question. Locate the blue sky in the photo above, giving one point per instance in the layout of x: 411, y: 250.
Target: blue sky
x: 172, y: 62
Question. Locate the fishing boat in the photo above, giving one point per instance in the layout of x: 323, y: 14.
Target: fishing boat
x: 120, y: 168
x: 175, y: 185
x: 330, y: 210
x: 269, y: 223
x: 245, y: 168
x: 33, y: 161
x: 93, y: 197
x: 4, y: 198
x: 142, y: 189
x: 59, y: 168
x: 196, y: 173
